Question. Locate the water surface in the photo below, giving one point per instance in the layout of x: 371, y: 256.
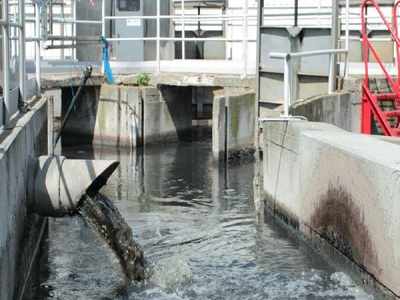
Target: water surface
x: 196, y: 224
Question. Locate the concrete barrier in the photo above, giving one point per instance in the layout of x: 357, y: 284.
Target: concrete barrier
x: 20, y: 231
x: 340, y: 109
x: 339, y: 187
x: 128, y: 116
x: 233, y: 125
x: 167, y: 113
x: 118, y: 116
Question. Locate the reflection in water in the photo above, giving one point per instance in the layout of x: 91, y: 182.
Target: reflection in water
x: 196, y: 224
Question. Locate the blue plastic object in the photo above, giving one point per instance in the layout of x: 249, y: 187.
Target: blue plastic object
x: 106, y: 62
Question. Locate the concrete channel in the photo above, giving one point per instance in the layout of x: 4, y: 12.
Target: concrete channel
x: 292, y: 111
x: 38, y: 186
x: 336, y: 188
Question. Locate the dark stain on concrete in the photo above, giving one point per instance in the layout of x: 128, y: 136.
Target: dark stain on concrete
x: 339, y: 221
x: 280, y: 212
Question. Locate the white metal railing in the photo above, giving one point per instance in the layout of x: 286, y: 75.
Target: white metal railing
x: 14, y: 39
x: 289, y: 93
x: 241, y: 14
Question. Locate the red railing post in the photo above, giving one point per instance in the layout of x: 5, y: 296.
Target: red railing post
x: 366, y: 114
x: 396, y: 32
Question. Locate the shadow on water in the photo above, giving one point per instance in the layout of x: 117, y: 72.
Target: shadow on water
x: 197, y: 227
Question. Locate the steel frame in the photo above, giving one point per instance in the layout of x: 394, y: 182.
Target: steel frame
x: 369, y: 104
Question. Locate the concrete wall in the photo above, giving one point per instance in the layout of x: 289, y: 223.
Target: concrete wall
x: 118, y: 118
x: 341, y: 109
x: 167, y: 113
x: 19, y: 229
x: 128, y: 116
x: 106, y: 115
x: 338, y: 187
x: 233, y: 125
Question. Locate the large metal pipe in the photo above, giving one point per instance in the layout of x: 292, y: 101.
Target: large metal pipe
x: 60, y: 183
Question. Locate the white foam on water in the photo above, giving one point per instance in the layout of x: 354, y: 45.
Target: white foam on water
x: 171, y: 273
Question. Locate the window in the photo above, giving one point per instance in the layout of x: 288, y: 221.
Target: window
x: 128, y: 5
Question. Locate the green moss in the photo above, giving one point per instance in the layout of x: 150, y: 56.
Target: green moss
x: 142, y: 79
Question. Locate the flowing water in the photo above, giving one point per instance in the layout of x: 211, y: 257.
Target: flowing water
x: 197, y: 227
x: 100, y: 213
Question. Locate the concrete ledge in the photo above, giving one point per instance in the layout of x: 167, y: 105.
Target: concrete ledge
x: 339, y: 186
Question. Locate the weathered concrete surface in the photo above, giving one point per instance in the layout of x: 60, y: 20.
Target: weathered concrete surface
x: 128, y: 116
x: 219, y: 128
x: 20, y: 144
x: 167, y: 113
x: 193, y: 79
x: 340, y: 109
x: 338, y: 186
x: 68, y: 79
x: 234, y: 119
x: 118, y: 116
x: 110, y: 115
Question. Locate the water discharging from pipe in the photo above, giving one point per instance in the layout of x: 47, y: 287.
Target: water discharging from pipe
x: 196, y: 224
x: 105, y: 219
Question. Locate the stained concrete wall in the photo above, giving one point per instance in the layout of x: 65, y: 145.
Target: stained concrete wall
x: 339, y: 187
x: 233, y: 125
x: 340, y: 109
x: 106, y: 115
x: 24, y: 140
x: 167, y: 113
x: 128, y: 116
x: 118, y: 116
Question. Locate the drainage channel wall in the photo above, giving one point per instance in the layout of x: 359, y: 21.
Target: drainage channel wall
x: 20, y: 230
x: 127, y: 115
x: 117, y: 115
x: 233, y: 126
x: 340, y: 188
x: 339, y: 109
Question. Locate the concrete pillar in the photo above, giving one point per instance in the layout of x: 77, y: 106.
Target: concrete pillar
x: 233, y: 126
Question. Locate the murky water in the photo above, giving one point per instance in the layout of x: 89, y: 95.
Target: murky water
x: 100, y: 213
x: 196, y: 225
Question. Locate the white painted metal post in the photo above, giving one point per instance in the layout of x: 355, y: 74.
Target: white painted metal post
x: 6, y: 60
x: 158, y: 36
x: 37, y: 47
x: 245, y: 36
x: 183, y: 34
x: 21, y: 40
x: 73, y: 11
x: 335, y: 33
x: 332, y: 75
x: 103, y: 26
x: 103, y: 14
x: 347, y: 38
x: 287, y: 93
x: 50, y: 125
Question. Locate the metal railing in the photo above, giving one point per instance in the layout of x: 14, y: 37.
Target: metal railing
x: 13, y: 29
x: 290, y: 93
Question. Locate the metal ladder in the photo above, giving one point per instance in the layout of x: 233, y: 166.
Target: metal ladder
x: 380, y: 105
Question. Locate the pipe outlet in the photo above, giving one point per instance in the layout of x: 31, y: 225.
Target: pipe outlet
x: 60, y: 183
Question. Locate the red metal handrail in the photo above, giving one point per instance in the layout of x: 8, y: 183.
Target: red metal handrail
x: 367, y: 46
x: 370, y: 106
x: 396, y: 32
